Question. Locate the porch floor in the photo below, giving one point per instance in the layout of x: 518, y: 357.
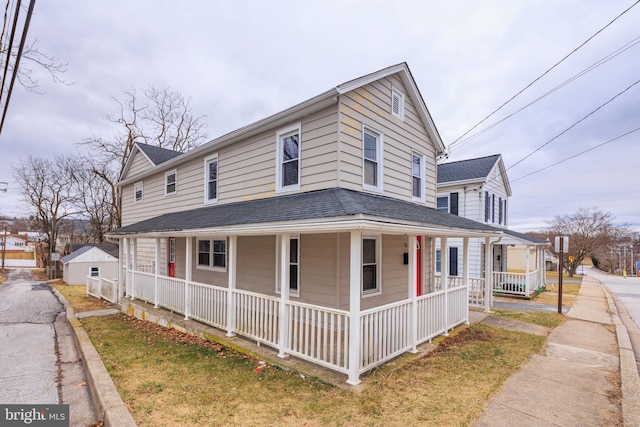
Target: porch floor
x: 163, y: 317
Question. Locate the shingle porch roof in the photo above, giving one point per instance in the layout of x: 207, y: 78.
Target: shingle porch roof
x: 466, y: 169
x: 315, y: 205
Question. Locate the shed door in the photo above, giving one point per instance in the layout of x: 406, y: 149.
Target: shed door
x: 172, y: 256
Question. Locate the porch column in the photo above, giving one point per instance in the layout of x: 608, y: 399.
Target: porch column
x: 155, y: 275
x: 444, y: 280
x: 187, y: 276
x: 413, y: 283
x: 134, y: 267
x: 355, y: 284
x: 488, y: 275
x: 285, y: 251
x: 122, y: 271
x: 232, y: 256
x: 526, y: 277
x: 465, y: 271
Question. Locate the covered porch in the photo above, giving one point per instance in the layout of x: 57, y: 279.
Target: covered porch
x: 348, y: 294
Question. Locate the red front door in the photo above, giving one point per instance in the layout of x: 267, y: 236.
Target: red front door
x: 419, y: 267
x: 172, y: 256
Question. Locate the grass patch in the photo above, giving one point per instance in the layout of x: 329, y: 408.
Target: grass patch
x: 169, y: 378
x: 549, y: 320
x: 78, y: 299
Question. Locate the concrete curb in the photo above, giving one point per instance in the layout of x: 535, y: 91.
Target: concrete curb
x: 109, y: 405
x: 629, y: 376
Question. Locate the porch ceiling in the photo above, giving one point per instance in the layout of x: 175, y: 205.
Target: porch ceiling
x: 334, y: 209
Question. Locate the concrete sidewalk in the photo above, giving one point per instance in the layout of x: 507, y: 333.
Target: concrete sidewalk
x: 586, y: 377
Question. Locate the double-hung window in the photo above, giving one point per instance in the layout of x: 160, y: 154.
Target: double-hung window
x: 370, y: 265
x: 95, y: 272
x: 288, y: 166
x: 443, y: 203
x: 372, y: 146
x: 212, y: 253
x: 170, y: 182
x: 417, y: 175
x: 211, y: 179
x: 487, y: 206
x: 294, y: 265
x: 137, y: 192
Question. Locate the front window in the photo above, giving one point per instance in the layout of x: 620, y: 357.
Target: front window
x: 137, y: 192
x: 288, y: 159
x: 370, y: 268
x: 170, y: 182
x: 211, y: 179
x: 212, y: 253
x: 443, y: 204
x: 417, y: 173
x: 372, y: 159
x: 95, y: 271
x: 294, y: 264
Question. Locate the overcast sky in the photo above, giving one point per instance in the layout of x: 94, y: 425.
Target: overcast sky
x: 244, y: 60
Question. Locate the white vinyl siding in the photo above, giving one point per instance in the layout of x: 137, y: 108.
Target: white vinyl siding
x: 289, y: 143
x: 139, y: 164
x: 170, y: 183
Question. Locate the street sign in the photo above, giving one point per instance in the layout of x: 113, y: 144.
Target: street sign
x: 565, y: 243
x: 55, y: 256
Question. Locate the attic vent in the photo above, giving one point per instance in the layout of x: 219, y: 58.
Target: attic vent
x: 397, y: 103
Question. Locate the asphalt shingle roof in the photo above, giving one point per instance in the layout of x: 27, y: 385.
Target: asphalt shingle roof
x: 526, y: 237
x: 329, y: 203
x: 157, y: 155
x: 466, y: 169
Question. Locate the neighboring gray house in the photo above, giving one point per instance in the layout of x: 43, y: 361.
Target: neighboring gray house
x: 479, y: 189
x: 90, y: 260
x: 312, y: 231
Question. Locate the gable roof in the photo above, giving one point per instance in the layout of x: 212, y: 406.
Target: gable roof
x: 472, y: 170
x: 334, y: 204
x: 109, y: 248
x: 524, y: 239
x: 154, y: 155
x: 310, y: 106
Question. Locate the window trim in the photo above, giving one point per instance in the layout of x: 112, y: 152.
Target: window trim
x: 207, y: 161
x: 135, y: 192
x: 210, y: 266
x: 401, y: 104
x: 378, y: 187
x: 175, y: 182
x: 420, y: 156
x: 378, y: 247
x: 91, y: 271
x: 280, y: 135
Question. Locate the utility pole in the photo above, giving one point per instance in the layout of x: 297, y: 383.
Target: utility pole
x: 560, y: 243
x: 4, y: 245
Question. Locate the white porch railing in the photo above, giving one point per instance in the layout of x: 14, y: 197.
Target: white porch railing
x: 516, y: 283
x: 100, y: 287
x: 476, y: 292
x: 317, y: 334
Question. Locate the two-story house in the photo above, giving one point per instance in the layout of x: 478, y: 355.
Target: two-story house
x: 312, y: 231
x: 479, y: 189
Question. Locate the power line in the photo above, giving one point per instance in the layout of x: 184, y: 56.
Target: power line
x: 590, y: 68
x: 10, y: 47
x: 543, y: 74
x: 576, y: 155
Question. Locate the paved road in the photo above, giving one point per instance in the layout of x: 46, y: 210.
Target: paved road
x: 627, y: 290
x: 38, y: 358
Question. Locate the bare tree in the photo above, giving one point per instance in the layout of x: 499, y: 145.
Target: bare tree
x: 93, y: 196
x: 588, y: 229
x: 47, y: 188
x: 161, y: 117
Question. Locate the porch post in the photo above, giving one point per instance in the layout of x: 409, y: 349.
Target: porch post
x: 155, y: 275
x: 444, y: 280
x: 413, y: 283
x: 232, y: 257
x: 134, y: 267
x: 122, y: 273
x: 488, y: 275
x: 285, y: 250
x: 355, y: 283
x: 465, y: 270
x: 526, y: 277
x: 187, y: 276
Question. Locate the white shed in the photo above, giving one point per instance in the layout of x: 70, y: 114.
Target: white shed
x: 89, y: 261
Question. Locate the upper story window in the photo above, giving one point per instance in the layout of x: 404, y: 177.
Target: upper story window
x: 372, y: 146
x: 212, y: 253
x: 487, y: 206
x: 448, y: 203
x: 211, y: 179
x: 417, y: 175
x: 504, y: 212
x: 500, y: 214
x: 397, y: 103
x: 170, y: 182
x: 370, y: 265
x: 288, y: 167
x: 137, y: 192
